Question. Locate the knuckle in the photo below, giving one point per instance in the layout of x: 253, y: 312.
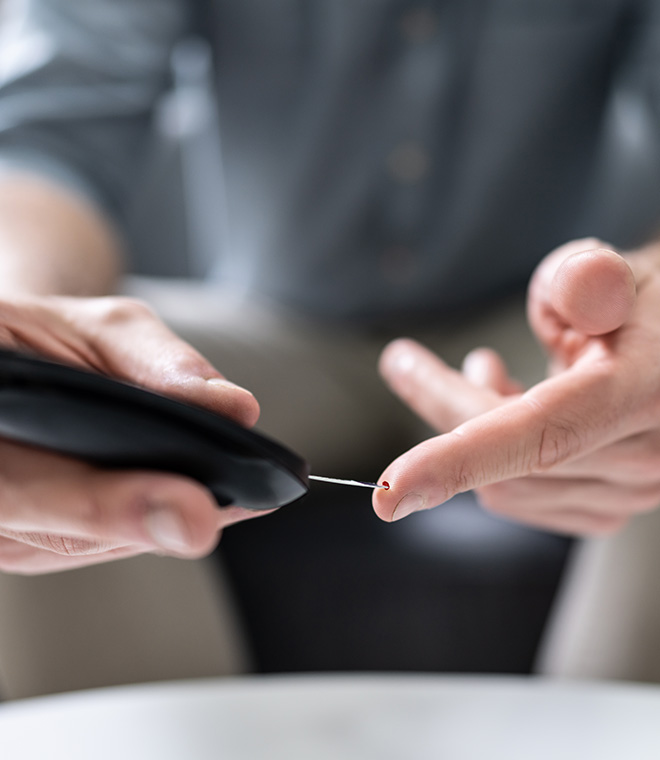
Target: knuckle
x: 117, y: 310
x: 459, y: 479
x: 185, y: 361
x: 558, y: 442
x: 69, y: 546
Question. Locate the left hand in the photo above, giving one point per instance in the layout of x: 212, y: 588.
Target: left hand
x: 58, y: 512
x: 579, y: 452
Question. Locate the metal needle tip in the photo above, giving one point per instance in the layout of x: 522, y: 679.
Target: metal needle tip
x: 385, y: 485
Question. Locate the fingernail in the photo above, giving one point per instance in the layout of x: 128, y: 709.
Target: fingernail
x: 410, y: 503
x: 167, y: 530
x: 222, y: 383
x: 403, y: 362
x: 475, y: 368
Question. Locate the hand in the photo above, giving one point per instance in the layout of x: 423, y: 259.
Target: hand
x: 579, y: 452
x: 57, y: 513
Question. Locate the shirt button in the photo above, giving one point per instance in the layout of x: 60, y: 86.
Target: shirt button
x: 418, y: 25
x: 408, y: 162
x: 399, y: 265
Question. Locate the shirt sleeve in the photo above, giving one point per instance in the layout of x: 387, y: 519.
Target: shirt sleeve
x: 78, y: 83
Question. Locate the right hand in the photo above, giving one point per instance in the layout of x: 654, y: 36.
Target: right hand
x: 58, y: 513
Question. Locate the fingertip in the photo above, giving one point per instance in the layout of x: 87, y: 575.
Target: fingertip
x: 593, y: 291
x: 398, y: 507
x: 381, y: 505
x: 234, y: 401
x: 484, y: 368
x: 407, y: 485
x: 398, y: 357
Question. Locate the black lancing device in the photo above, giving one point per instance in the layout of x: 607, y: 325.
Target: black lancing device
x: 113, y: 424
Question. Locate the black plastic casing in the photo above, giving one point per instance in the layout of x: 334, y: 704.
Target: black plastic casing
x: 114, y: 424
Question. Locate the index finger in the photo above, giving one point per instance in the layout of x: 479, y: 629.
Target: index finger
x: 557, y: 420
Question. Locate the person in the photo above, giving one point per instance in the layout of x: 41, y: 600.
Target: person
x: 384, y: 168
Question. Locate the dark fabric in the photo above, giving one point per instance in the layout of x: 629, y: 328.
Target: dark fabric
x: 449, y: 590
x: 378, y: 158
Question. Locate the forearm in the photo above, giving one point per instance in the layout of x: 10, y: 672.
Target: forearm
x: 53, y: 242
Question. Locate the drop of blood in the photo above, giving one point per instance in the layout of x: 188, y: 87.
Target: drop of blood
x: 386, y: 485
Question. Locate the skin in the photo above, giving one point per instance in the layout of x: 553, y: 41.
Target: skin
x: 579, y: 453
x: 58, y: 513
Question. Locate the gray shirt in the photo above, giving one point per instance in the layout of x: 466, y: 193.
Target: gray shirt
x: 380, y: 158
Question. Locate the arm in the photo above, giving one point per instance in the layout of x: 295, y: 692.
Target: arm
x: 53, y: 241
x: 78, y: 82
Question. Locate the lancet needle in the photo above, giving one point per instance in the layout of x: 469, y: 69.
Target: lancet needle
x: 384, y: 485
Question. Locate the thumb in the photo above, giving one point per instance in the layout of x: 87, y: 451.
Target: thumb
x: 593, y: 291
x: 580, y: 288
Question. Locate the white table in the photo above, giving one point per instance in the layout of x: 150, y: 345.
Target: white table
x: 339, y: 717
